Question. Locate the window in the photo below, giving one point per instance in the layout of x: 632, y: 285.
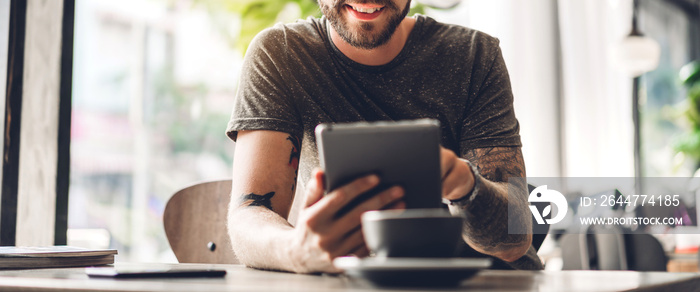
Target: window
x: 662, y: 106
x: 153, y: 87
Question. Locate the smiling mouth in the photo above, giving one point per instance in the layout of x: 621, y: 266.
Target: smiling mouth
x: 364, y: 12
x: 367, y: 9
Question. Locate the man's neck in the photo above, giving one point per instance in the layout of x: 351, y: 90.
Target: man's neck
x: 380, y: 55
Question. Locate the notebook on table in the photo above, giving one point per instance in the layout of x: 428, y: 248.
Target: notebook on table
x: 29, y: 257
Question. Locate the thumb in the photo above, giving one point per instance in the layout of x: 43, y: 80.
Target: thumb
x: 314, y: 188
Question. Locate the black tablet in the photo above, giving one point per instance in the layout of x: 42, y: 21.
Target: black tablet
x: 405, y: 153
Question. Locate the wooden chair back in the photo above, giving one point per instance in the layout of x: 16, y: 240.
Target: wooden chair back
x: 195, y: 223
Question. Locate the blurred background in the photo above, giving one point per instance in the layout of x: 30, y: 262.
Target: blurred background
x: 154, y: 82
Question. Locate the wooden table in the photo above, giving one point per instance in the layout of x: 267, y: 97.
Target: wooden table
x: 240, y: 278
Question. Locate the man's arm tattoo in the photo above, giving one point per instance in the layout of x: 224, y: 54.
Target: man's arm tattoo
x: 294, y: 157
x: 487, y: 216
x: 253, y: 200
x: 498, y: 164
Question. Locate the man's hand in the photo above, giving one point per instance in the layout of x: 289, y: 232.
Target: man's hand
x: 457, y: 176
x: 320, y: 236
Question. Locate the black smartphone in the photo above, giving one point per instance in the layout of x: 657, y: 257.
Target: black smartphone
x: 134, y: 272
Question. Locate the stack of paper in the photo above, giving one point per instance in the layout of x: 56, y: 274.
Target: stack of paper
x: 19, y: 257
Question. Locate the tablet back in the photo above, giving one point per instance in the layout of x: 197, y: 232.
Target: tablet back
x: 403, y: 153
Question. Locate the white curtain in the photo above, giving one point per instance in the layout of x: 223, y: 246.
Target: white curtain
x: 597, y: 97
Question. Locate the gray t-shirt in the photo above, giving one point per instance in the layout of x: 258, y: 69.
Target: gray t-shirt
x: 295, y: 78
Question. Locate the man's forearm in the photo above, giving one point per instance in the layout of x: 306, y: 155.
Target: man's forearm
x: 486, y: 216
x: 260, y: 238
x: 265, y: 165
x: 486, y: 227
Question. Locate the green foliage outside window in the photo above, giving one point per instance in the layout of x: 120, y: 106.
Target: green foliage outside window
x: 689, y: 143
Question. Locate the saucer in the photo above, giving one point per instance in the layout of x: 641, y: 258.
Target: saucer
x: 412, y: 271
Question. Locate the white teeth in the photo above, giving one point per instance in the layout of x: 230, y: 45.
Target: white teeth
x: 366, y: 10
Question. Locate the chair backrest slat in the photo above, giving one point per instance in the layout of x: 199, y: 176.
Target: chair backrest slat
x: 195, y: 223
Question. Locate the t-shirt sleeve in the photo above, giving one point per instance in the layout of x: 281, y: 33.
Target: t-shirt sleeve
x: 264, y: 100
x: 489, y: 119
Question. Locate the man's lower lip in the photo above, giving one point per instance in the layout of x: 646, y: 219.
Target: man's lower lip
x: 363, y: 16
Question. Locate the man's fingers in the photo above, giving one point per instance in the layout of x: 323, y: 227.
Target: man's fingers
x: 447, y: 161
x: 314, y: 188
x: 380, y: 201
x: 360, y: 252
x: 335, y: 200
x: 349, y: 243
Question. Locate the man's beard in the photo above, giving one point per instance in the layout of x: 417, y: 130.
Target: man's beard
x: 365, y: 37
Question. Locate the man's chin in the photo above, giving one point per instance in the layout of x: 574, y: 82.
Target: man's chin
x: 365, y: 40
x: 365, y: 34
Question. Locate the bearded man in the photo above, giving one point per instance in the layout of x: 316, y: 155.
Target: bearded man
x: 365, y: 60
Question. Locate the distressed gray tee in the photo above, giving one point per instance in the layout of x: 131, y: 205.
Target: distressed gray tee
x: 294, y: 78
